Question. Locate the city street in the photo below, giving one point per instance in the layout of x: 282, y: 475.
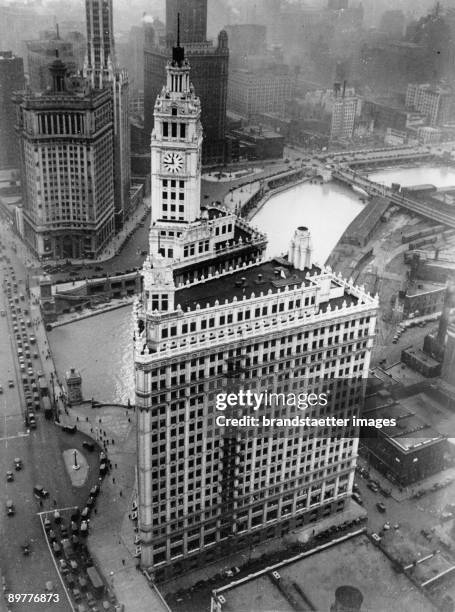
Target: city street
x: 41, y: 453
x: 131, y: 256
x: 410, y: 515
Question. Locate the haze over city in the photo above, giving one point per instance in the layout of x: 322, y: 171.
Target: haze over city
x: 227, y: 306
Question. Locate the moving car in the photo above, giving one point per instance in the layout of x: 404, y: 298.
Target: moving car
x: 10, y: 509
x: 40, y: 491
x: 18, y: 465
x: 9, y: 476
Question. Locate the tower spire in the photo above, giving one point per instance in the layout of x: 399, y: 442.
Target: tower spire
x: 178, y: 52
x: 178, y: 29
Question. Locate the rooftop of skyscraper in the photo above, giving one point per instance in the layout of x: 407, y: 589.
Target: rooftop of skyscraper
x: 263, y: 277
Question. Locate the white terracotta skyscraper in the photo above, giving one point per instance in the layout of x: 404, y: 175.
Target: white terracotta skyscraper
x: 214, y: 315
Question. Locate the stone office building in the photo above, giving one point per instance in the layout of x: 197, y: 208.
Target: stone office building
x: 66, y: 144
x: 214, y: 312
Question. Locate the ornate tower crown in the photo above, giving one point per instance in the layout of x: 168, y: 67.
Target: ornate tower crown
x: 178, y: 70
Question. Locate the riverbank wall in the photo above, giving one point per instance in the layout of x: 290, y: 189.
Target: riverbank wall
x: 86, y: 315
x: 252, y: 206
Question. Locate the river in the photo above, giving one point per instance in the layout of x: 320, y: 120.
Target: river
x: 310, y: 205
x: 100, y: 347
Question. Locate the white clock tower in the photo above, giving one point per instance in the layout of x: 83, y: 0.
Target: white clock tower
x: 175, y: 158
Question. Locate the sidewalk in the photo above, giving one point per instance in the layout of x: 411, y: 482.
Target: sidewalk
x: 115, y: 245
x: 244, y: 556
x: 112, y: 537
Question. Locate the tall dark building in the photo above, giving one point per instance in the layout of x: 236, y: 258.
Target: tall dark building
x: 209, y: 75
x: 193, y: 19
x: 102, y: 70
x: 11, y: 79
x: 100, y: 38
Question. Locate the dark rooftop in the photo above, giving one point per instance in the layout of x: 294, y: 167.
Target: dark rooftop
x: 410, y: 432
x: 274, y: 274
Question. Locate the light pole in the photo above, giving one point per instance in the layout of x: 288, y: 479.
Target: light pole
x: 76, y: 465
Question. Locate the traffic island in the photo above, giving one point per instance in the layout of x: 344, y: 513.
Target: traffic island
x: 76, y: 466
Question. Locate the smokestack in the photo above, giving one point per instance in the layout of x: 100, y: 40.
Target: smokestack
x: 445, y: 316
x: 448, y: 362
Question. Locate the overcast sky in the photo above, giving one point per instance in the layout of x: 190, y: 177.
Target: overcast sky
x: 129, y: 12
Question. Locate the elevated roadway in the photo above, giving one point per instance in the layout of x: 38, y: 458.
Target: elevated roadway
x: 436, y: 212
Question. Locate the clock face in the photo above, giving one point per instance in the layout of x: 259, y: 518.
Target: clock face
x: 173, y: 162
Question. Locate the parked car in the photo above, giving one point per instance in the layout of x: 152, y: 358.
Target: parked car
x: 356, y: 497
x: 94, y: 491
x: 18, y: 465
x: 380, y: 507
x: 9, y: 476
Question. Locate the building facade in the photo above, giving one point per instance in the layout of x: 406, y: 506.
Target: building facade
x: 344, y: 113
x: 122, y: 146
x: 100, y: 40
x: 407, y: 453
x: 11, y: 79
x: 66, y: 144
x: 265, y: 91
x: 214, y: 313
x: 193, y: 20
x: 103, y: 72
x: 437, y: 103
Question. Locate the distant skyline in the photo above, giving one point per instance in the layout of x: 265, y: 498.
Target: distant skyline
x: 220, y: 12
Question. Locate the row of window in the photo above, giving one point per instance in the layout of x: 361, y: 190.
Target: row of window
x: 241, y: 315
x: 200, y: 247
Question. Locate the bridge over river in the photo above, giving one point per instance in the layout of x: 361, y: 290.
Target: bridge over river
x: 436, y: 211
